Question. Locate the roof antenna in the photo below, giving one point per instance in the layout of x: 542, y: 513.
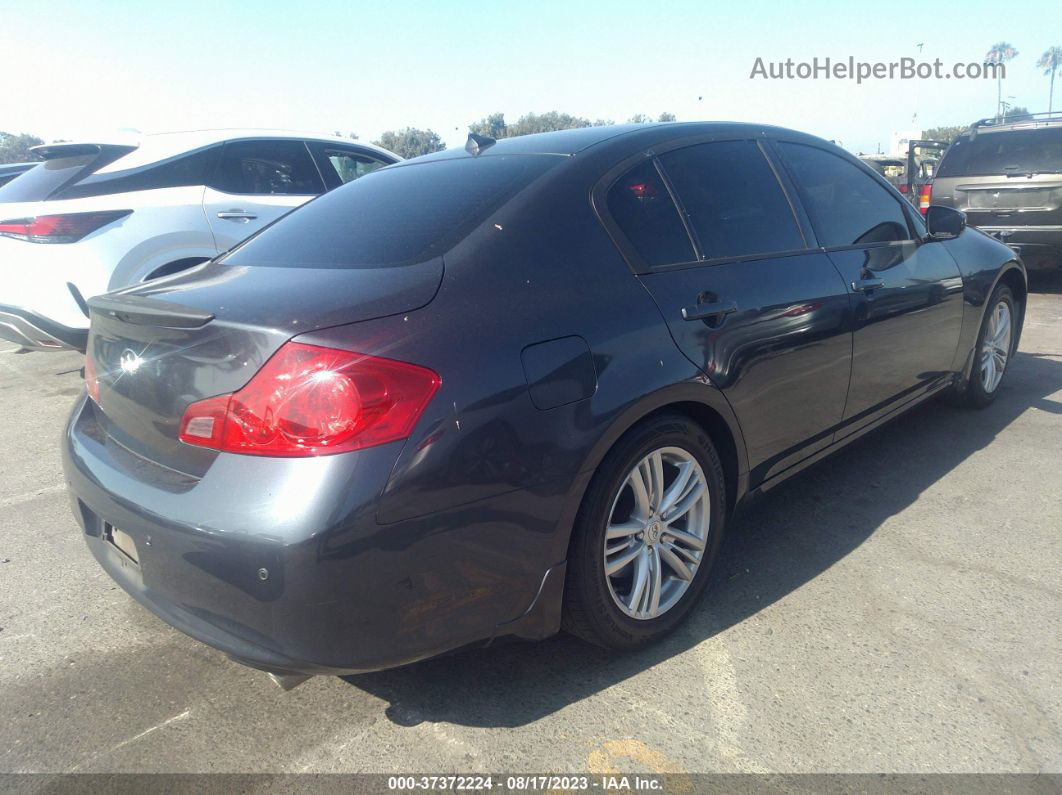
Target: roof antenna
x: 477, y: 143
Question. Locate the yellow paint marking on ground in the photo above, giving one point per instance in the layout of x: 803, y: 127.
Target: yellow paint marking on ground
x: 615, y: 755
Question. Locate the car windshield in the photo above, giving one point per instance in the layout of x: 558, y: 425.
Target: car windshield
x: 1008, y: 152
x: 393, y: 216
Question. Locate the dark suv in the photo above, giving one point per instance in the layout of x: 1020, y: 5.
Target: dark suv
x: 1007, y: 178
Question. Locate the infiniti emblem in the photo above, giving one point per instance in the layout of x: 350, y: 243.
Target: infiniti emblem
x: 652, y: 532
x: 130, y: 361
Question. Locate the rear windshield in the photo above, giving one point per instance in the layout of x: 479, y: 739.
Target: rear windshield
x: 394, y: 216
x: 41, y: 182
x: 1009, y: 152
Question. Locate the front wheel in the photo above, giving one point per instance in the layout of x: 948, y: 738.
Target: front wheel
x: 646, y: 536
x: 995, y: 348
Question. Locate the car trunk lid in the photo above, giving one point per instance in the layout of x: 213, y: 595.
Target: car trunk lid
x: 158, y: 347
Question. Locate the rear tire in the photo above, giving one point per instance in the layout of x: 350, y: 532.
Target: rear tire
x: 996, y: 342
x: 671, y: 535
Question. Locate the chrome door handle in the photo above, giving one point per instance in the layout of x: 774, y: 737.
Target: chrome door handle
x: 866, y: 285
x: 703, y: 311
x: 236, y: 215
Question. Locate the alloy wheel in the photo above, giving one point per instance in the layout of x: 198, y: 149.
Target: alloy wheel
x: 995, y: 350
x: 657, y: 533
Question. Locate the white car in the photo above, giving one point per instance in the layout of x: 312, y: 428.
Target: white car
x: 96, y: 216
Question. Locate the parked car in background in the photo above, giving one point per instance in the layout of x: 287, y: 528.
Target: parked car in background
x: 892, y: 167
x: 923, y: 158
x: 1007, y: 178
x: 498, y: 391
x: 99, y: 215
x: 911, y: 171
x: 8, y: 171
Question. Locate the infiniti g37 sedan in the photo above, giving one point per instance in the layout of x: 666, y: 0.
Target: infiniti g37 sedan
x: 514, y: 388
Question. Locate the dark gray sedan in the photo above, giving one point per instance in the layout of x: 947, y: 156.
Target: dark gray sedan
x: 517, y: 387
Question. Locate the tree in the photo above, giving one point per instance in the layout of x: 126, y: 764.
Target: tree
x: 351, y: 136
x: 411, y: 142
x: 641, y: 118
x: 16, y: 148
x: 1017, y: 113
x: 550, y: 121
x: 946, y: 134
x: 496, y: 127
x: 492, y: 126
x: 1001, y: 53
x: 1050, y: 62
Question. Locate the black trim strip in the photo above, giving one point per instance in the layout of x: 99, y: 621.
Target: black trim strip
x: 758, y: 475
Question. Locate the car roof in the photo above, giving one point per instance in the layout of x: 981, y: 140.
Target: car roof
x: 1028, y: 121
x: 153, y: 147
x: 1015, y: 127
x: 574, y: 141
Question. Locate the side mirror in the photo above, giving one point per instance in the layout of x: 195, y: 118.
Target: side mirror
x: 944, y: 223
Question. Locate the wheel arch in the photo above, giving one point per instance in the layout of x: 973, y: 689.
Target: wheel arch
x: 696, y: 399
x: 721, y: 434
x: 1012, y: 274
x: 176, y: 266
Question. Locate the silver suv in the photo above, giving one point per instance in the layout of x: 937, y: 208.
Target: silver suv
x: 1007, y: 178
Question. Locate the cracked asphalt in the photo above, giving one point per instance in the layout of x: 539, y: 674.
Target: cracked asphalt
x: 896, y: 608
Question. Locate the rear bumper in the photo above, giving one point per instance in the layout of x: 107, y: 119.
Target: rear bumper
x: 280, y: 563
x: 1040, y: 247
x: 36, y: 332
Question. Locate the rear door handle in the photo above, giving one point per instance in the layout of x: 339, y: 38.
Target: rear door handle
x: 237, y: 215
x: 866, y: 285
x: 704, y: 311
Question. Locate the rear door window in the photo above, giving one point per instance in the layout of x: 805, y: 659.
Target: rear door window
x: 641, y: 206
x: 267, y: 167
x: 1000, y: 153
x: 340, y: 164
x: 394, y: 216
x: 733, y: 199
x: 847, y: 206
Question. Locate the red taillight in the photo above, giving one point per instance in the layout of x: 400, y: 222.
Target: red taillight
x: 307, y: 400
x: 67, y: 228
x: 92, y: 383
x: 925, y: 198
x: 903, y: 187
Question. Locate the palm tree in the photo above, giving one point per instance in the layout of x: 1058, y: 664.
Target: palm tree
x: 1050, y: 61
x: 1000, y: 53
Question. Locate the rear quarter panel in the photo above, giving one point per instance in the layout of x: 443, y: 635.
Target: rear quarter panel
x: 536, y: 271
x: 166, y: 225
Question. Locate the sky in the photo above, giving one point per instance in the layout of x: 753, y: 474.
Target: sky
x: 91, y: 66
